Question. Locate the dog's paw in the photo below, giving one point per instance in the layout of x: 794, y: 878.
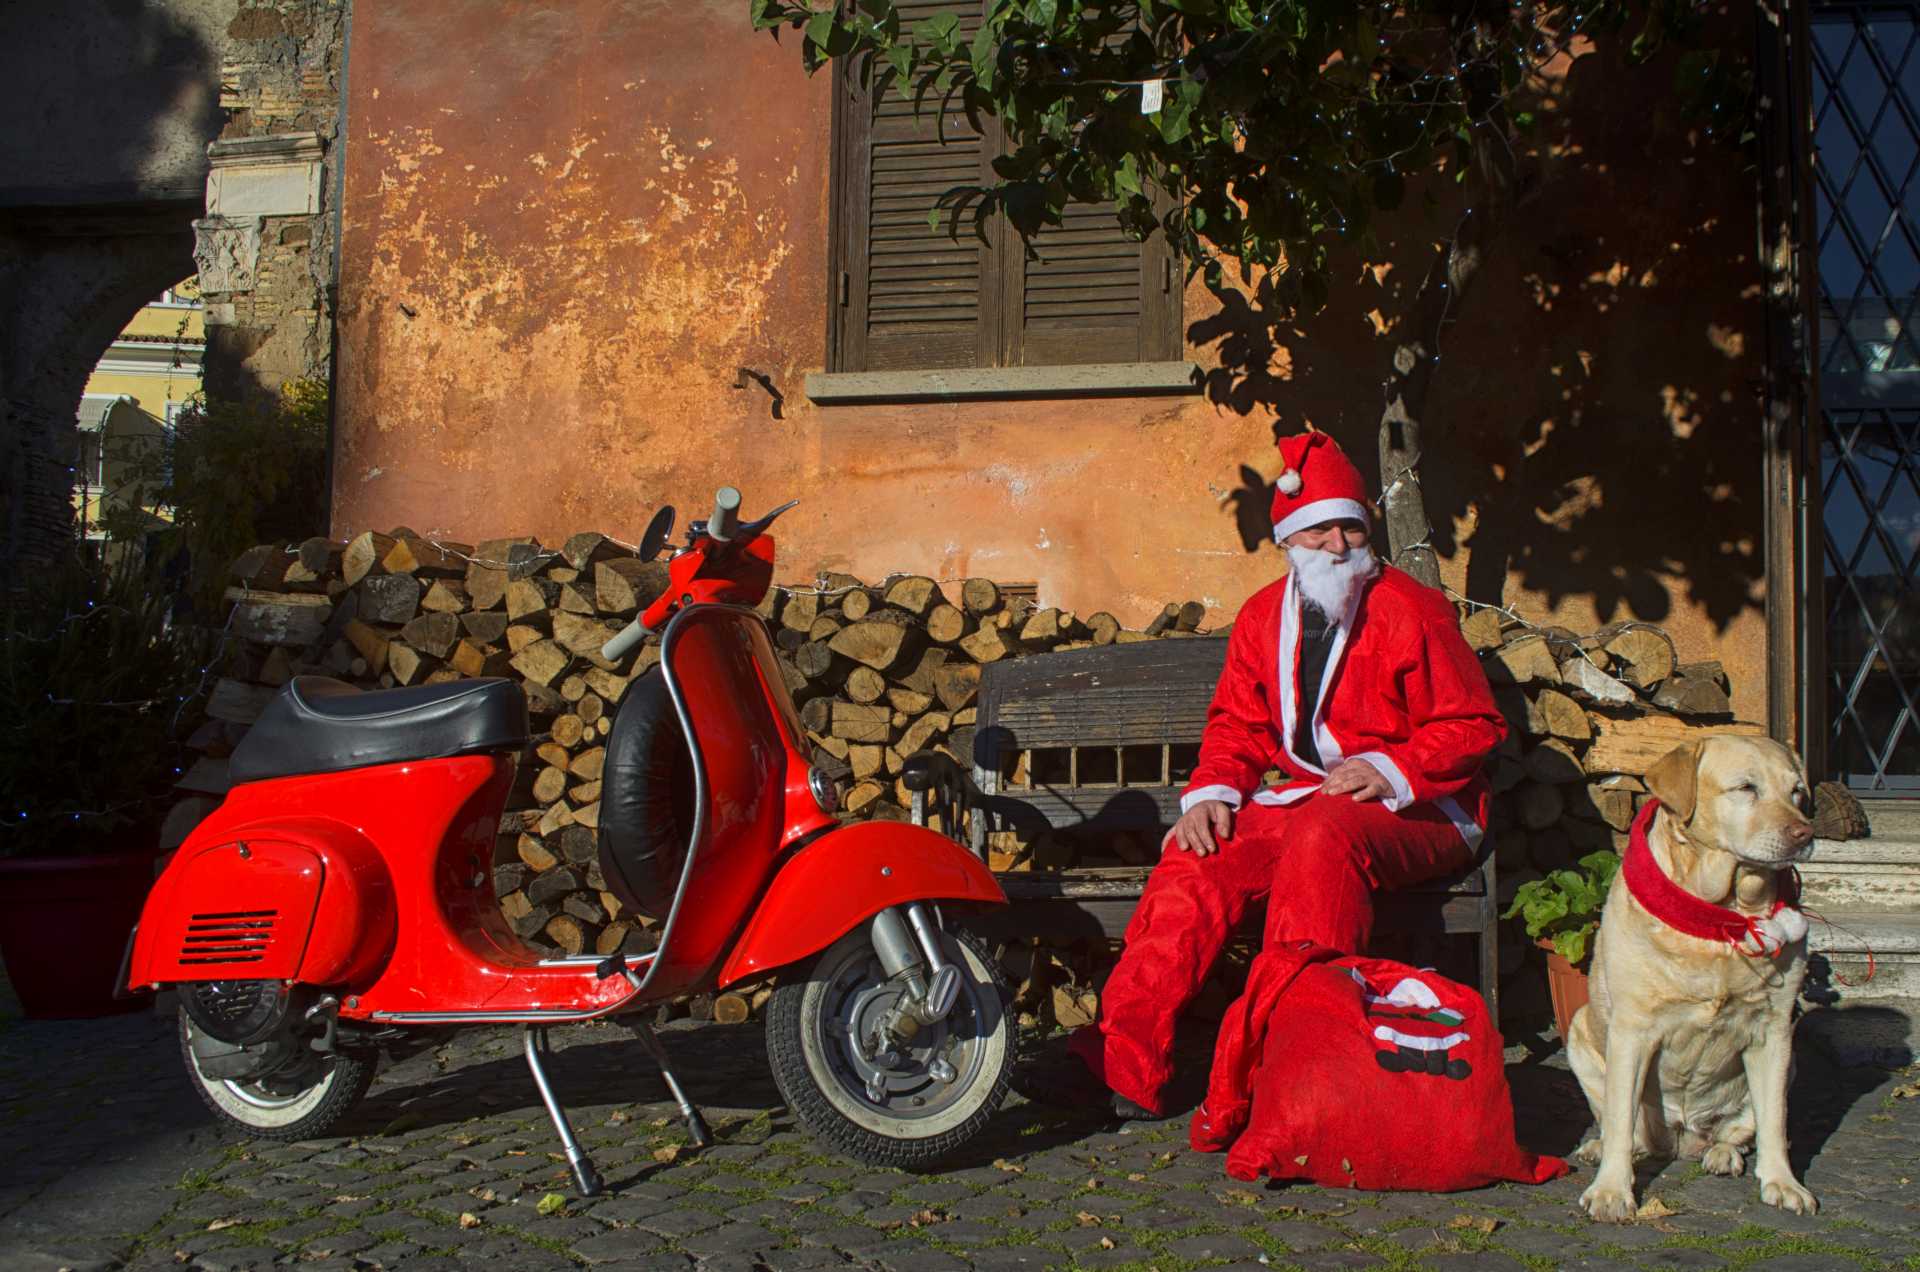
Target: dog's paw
x: 1723, y: 1159
x: 1588, y: 1154
x: 1608, y: 1203
x: 1788, y: 1194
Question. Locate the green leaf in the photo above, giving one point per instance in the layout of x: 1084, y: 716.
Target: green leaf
x: 939, y: 32
x: 1043, y: 12
x: 551, y: 1204
x: 985, y: 55
x: 1126, y: 175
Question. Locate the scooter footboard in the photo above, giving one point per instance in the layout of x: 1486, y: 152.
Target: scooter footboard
x: 846, y: 877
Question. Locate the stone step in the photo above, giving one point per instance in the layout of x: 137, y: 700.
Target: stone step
x: 1879, y: 874
x: 1844, y: 938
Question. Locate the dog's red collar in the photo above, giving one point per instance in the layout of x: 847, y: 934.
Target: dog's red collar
x: 1680, y: 910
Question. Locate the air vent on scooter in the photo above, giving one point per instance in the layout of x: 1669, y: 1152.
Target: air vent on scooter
x: 235, y: 936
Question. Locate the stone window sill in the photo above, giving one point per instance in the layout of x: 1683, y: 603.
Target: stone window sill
x: 1107, y: 379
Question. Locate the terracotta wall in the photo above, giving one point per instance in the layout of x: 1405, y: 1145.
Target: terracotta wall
x: 567, y: 225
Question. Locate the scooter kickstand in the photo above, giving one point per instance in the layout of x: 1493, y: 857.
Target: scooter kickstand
x: 585, y: 1177
x: 696, y: 1125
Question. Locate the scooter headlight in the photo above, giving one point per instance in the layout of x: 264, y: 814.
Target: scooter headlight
x: 826, y: 792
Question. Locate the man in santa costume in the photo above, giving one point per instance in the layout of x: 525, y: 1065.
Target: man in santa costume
x: 1350, y: 679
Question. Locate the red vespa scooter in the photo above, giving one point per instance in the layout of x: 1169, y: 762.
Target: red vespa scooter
x: 339, y: 901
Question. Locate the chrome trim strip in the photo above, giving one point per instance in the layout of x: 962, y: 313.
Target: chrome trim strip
x: 534, y: 1016
x: 589, y: 960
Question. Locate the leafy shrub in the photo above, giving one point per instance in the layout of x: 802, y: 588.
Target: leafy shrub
x: 98, y: 691
x: 1565, y: 906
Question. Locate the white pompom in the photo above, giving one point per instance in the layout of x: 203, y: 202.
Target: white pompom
x: 1289, y: 482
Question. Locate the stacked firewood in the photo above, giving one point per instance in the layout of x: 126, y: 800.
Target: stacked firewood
x: 878, y: 670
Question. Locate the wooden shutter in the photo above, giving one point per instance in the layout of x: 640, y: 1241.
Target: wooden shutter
x: 1089, y: 293
x: 907, y: 296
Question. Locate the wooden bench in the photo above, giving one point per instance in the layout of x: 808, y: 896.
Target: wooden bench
x: 1099, y: 743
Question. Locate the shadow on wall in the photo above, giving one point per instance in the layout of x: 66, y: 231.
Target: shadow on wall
x: 1593, y: 425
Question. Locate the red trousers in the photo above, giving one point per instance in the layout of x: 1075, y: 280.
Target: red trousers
x: 1316, y: 863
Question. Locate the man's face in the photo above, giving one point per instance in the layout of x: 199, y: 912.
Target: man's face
x: 1335, y: 538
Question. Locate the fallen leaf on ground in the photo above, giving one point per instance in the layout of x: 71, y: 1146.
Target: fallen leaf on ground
x: 1136, y: 1178
x: 1474, y: 1223
x: 1012, y: 1168
x: 1087, y: 1219
x: 666, y: 1156
x: 469, y: 1220
x: 1165, y: 1157
x: 659, y: 1122
x: 1106, y: 1243
x: 927, y: 1216
x: 1300, y: 1160
x: 219, y: 1224
x: 516, y: 1152
x: 618, y: 1116
x: 1653, y: 1208
x: 483, y: 1193
x: 1906, y: 1092
x: 1094, y: 1182
x: 551, y: 1204
x: 1240, y: 1197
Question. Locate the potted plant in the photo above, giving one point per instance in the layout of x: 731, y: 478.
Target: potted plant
x: 1562, y: 912
x: 98, y: 690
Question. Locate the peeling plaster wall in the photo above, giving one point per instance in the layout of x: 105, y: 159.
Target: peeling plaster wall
x: 567, y: 225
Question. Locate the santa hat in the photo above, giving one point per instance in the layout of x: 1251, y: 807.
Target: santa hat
x: 1317, y: 483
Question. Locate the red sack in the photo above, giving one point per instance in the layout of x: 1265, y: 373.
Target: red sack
x: 1361, y: 1073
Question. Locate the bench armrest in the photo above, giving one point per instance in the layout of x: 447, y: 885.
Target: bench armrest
x: 940, y: 785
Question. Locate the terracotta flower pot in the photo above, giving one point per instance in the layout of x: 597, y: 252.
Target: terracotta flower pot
x: 1567, y: 985
x: 64, y: 923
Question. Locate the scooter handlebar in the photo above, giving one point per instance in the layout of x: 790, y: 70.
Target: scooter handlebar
x: 630, y: 635
x: 726, y: 514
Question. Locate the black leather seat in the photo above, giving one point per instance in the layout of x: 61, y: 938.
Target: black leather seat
x: 646, y: 799
x: 320, y: 725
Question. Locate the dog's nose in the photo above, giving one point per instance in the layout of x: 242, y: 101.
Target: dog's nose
x: 1800, y: 833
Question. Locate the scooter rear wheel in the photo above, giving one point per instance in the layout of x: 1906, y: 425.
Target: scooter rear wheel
x: 305, y: 1106
x: 815, y: 1025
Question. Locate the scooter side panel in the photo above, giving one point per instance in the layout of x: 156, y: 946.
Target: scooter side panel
x: 846, y: 877
x: 231, y: 911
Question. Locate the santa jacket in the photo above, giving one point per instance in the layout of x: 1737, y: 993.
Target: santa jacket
x: 1402, y: 691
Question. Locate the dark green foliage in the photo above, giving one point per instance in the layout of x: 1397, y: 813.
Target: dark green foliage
x: 98, y: 692
x: 1565, y: 906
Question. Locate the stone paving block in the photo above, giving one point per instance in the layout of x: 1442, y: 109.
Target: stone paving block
x: 845, y: 1236
x: 1336, y: 1260
x: 1213, y: 1245
x: 1100, y: 1257
x: 730, y: 1239
x: 912, y: 1256
x: 621, y: 1247
x: 390, y: 1255
x: 1474, y: 1261
x: 1014, y: 1259
x: 680, y: 1221
x: 1683, y: 1257
x: 353, y: 1241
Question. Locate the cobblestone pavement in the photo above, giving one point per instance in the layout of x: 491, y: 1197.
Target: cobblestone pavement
x: 451, y: 1164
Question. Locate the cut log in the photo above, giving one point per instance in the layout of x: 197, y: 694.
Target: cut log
x: 426, y: 558
x: 865, y: 760
x: 278, y: 618
x: 985, y: 646
x: 569, y: 933
x: 922, y: 732
x: 865, y: 685
x: 264, y: 567
x: 519, y: 558
x: 1553, y: 762
x: 320, y: 556
x: 1647, y: 655
x: 956, y: 684
x: 1189, y: 617
x: 816, y: 714
x: 521, y: 635
x: 856, y: 604
x: 919, y: 676
x: 581, y: 634
x: 486, y: 586
x: 824, y: 627
x: 1551, y: 713
x: 578, y: 845
x: 945, y: 624
x: 370, y: 643
x: 1524, y: 662
x: 587, y: 549
x: 553, y: 753
x: 1540, y: 805
x: 543, y: 662
x: 473, y: 659
x: 908, y: 701
x: 1482, y: 630
x: 590, y: 708
x: 587, y: 765
x: 610, y: 685
x: 550, y: 785
x: 433, y: 633
x: 236, y: 701
x: 812, y: 659
x: 553, y: 886
x: 1042, y: 631
x: 578, y: 598
x: 573, y: 688
x: 515, y: 906
x: 489, y: 627
x: 363, y: 556
x: 1103, y: 628
x: 914, y: 594
x: 408, y: 665
x: 1585, y: 680
x: 1635, y: 745
x: 1688, y: 696
x: 1163, y: 621
x: 800, y: 609
x: 731, y: 1008
x: 531, y: 597
x: 864, y: 796
x: 588, y: 814
x: 980, y: 596
x: 567, y: 730
x: 626, y: 584
x: 872, y: 642
x: 858, y: 723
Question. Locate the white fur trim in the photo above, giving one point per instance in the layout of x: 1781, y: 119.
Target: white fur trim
x: 1414, y: 1042
x: 1408, y: 992
x: 1789, y: 927
x: 1289, y: 482
x: 1282, y: 796
x: 1225, y: 794
x: 1321, y: 510
x: 1402, y: 792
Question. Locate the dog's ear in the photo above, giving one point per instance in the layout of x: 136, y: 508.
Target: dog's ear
x: 1674, y: 779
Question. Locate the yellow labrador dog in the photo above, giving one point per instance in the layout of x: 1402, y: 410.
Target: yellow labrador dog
x: 1686, y: 1046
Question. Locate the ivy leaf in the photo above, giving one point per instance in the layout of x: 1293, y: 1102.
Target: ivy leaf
x: 1043, y: 12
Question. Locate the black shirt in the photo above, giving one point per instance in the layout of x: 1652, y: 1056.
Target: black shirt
x: 1316, y: 645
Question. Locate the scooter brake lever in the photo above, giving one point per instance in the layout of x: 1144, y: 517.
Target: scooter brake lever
x: 614, y: 964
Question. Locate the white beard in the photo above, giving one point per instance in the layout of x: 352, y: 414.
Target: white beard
x: 1329, y: 583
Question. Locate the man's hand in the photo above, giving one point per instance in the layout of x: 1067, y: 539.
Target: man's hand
x: 1200, y: 826
x: 1358, y: 779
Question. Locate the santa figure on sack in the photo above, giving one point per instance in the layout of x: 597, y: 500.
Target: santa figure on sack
x: 1350, y: 679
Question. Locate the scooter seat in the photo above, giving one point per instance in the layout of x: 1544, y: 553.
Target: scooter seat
x: 316, y: 724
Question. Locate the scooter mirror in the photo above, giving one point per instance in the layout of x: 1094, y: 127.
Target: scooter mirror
x: 654, y: 541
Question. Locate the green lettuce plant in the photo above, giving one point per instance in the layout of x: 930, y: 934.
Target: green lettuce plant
x: 1564, y: 907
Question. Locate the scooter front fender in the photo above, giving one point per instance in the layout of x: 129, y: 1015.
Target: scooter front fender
x: 845, y: 878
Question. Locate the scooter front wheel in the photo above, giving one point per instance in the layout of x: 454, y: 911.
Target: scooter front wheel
x: 303, y: 1104
x: 881, y: 1100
